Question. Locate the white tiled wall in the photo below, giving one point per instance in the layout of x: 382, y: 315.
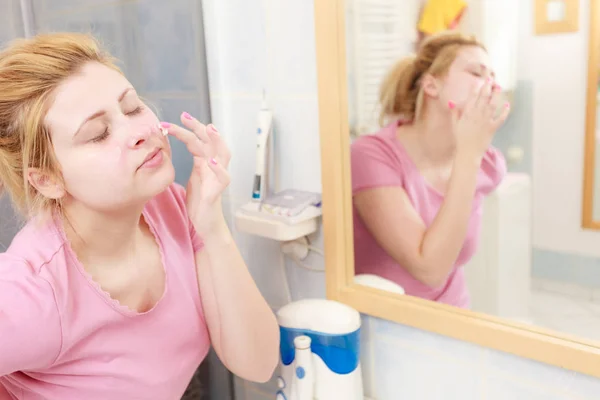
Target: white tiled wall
x: 269, y: 44
x: 256, y: 46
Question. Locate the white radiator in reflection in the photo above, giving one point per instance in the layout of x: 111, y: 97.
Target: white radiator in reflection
x: 378, y: 33
x: 499, y: 274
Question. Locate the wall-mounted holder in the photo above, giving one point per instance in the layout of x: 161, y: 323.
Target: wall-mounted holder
x: 251, y: 219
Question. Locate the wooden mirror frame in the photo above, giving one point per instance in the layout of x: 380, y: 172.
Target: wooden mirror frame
x: 523, y: 340
x: 589, y: 163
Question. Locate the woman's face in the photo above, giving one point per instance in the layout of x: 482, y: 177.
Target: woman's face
x: 469, y: 71
x: 111, y: 152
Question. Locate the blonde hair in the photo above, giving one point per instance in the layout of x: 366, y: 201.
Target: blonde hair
x: 30, y: 72
x: 400, y: 94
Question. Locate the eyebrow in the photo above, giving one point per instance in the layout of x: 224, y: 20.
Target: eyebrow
x: 102, y: 112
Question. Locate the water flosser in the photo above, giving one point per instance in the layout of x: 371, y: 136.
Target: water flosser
x: 327, y: 366
x: 303, y: 385
x: 265, y: 119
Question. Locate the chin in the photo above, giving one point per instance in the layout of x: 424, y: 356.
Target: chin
x: 159, y: 182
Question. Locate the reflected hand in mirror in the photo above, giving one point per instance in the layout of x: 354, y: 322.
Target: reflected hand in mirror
x: 418, y: 184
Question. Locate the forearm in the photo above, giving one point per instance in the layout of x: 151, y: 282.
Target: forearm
x: 243, y: 328
x: 445, y: 237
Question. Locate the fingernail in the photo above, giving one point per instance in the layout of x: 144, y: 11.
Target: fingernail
x: 213, y: 128
x: 497, y: 87
x: 165, y: 125
x: 451, y: 104
x: 213, y: 161
x: 187, y: 116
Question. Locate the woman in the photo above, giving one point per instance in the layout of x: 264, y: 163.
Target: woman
x: 121, y: 280
x: 419, y: 183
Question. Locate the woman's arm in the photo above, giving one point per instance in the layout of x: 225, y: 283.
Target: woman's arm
x: 30, y: 326
x: 243, y: 329
x: 242, y: 326
x: 427, y: 254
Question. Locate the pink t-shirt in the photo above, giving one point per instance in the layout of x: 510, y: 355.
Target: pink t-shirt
x: 62, y: 337
x: 380, y: 160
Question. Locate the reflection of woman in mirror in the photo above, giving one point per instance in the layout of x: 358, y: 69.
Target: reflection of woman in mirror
x: 419, y: 183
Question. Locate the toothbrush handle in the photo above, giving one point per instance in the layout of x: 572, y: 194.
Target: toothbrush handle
x: 304, y: 370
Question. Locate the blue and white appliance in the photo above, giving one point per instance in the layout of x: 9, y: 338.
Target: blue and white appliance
x: 320, y: 351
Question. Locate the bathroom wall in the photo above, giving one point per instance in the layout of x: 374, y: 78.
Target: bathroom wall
x: 255, y: 47
x: 268, y: 44
x: 12, y: 25
x: 548, y: 121
x: 558, y: 137
x: 10, y: 28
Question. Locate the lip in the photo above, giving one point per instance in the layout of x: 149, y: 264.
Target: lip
x: 153, y: 159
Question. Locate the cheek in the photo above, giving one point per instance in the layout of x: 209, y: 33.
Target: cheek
x: 461, y: 90
x: 92, y: 170
x: 114, y: 155
x: 476, y: 85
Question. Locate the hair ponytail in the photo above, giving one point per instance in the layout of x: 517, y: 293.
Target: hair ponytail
x: 398, y: 93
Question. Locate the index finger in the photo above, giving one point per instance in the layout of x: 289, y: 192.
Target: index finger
x: 191, y: 141
x: 485, y: 92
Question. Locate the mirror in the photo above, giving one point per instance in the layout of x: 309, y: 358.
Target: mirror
x: 408, y: 238
x: 591, y: 184
x: 418, y: 228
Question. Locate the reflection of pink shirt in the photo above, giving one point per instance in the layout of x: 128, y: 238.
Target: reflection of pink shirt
x: 380, y: 160
x: 62, y: 337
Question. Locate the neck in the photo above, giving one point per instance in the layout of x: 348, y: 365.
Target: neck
x: 435, y: 138
x: 101, y: 236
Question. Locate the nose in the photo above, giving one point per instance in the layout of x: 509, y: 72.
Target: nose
x: 139, y: 136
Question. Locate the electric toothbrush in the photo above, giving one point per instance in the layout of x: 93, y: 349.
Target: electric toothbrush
x: 265, y: 121
x: 303, y: 386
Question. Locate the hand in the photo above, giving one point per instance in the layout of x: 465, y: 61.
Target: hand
x: 209, y: 176
x: 476, y: 125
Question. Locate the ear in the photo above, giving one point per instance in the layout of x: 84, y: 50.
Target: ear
x: 430, y: 86
x: 48, y: 185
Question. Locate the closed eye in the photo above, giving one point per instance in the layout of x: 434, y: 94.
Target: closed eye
x: 135, y: 111
x: 102, y: 137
